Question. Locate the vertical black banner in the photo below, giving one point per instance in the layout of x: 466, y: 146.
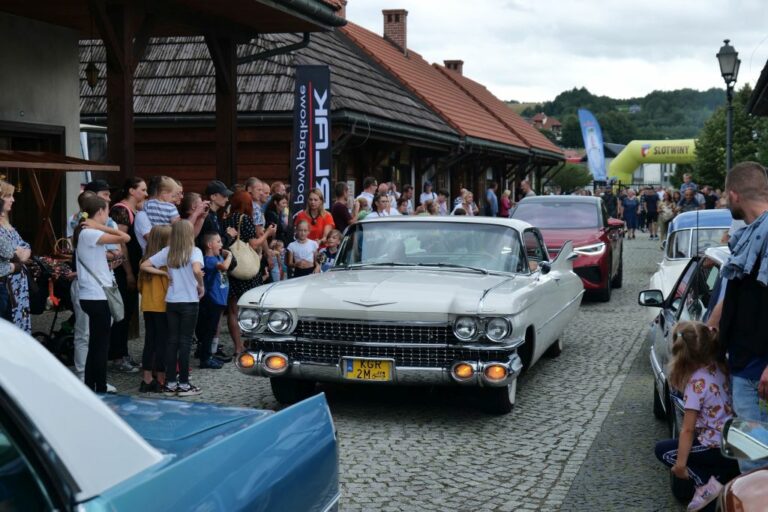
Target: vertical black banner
x: 311, y: 153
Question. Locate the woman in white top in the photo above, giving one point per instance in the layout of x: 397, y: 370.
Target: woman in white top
x: 467, y: 204
x: 93, y: 274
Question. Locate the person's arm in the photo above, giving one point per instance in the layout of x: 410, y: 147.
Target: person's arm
x: 224, y: 265
x: 289, y: 259
x: 316, y: 270
x: 149, y: 268
x: 684, y: 444
x: 110, y: 236
x: 326, y: 229
x: 197, y: 270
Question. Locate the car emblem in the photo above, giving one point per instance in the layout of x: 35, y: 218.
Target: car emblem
x: 368, y: 303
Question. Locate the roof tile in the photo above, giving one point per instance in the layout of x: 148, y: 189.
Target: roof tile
x: 501, y: 111
x: 452, y: 103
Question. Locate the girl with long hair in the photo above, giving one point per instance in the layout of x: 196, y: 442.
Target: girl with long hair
x: 18, y: 286
x: 93, y: 273
x: 154, y: 288
x: 382, y: 206
x: 698, y: 371
x: 320, y: 221
x: 185, y: 271
x: 275, y: 215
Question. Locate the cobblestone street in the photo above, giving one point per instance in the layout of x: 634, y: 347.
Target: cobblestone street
x: 580, y: 438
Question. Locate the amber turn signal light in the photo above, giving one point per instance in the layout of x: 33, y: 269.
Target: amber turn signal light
x: 495, y: 372
x: 463, y: 371
x: 246, y: 360
x: 276, y: 363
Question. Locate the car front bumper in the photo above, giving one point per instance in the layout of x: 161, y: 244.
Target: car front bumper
x: 331, y: 371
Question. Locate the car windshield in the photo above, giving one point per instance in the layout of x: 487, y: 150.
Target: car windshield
x: 471, y: 246
x: 679, y: 242
x: 558, y: 214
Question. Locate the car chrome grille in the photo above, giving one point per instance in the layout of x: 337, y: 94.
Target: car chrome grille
x: 423, y: 357
x: 332, y: 330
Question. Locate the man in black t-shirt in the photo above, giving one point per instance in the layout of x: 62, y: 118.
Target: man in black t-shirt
x: 651, y: 208
x: 340, y: 211
x: 611, y: 203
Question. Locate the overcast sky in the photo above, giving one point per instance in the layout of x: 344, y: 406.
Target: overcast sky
x: 531, y: 50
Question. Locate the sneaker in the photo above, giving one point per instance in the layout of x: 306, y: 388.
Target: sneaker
x: 152, y: 387
x: 222, y: 356
x: 111, y: 389
x: 131, y: 361
x: 124, y: 367
x: 705, y: 494
x: 170, y: 388
x: 188, y: 389
x: 212, y: 363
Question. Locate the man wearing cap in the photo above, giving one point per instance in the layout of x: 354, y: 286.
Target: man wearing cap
x: 218, y: 196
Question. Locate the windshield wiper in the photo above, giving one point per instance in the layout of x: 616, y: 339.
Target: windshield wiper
x: 453, y: 265
x: 380, y: 264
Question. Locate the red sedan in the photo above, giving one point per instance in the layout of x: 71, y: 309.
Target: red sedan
x: 597, y: 239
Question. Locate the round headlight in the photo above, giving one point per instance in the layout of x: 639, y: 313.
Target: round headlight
x: 249, y: 319
x: 497, y: 329
x: 279, y: 322
x: 465, y: 328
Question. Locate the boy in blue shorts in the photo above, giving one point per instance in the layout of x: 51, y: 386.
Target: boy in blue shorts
x: 214, y: 302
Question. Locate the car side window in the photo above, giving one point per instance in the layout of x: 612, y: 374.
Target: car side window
x: 699, y: 294
x: 604, y: 212
x: 682, y: 286
x: 20, y: 486
x: 534, y: 249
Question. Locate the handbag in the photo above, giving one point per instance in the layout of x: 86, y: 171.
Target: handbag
x: 114, y: 299
x: 248, y: 260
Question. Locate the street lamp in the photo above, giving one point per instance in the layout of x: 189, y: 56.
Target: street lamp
x: 729, y: 61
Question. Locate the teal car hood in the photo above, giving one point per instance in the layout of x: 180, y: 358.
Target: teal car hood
x: 179, y: 427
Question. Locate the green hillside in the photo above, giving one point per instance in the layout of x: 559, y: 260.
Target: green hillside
x: 677, y: 114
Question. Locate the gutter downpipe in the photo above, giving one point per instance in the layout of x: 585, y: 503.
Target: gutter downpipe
x: 276, y: 51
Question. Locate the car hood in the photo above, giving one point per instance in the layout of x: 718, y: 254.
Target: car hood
x: 555, y: 238
x: 397, y: 294
x: 179, y: 427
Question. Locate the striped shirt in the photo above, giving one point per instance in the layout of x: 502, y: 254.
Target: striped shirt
x: 160, y: 213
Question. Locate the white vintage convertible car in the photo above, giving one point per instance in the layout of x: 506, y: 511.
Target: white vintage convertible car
x: 467, y: 301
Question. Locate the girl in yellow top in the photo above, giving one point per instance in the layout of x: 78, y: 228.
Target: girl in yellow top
x: 153, y: 288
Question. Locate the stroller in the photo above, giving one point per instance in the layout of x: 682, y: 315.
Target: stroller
x: 49, y: 290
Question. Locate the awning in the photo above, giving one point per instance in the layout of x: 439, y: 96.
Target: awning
x: 41, y: 161
x: 56, y: 165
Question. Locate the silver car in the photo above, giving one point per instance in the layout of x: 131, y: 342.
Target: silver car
x: 462, y: 301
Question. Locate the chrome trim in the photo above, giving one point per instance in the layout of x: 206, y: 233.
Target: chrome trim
x: 419, y: 323
x: 513, y: 344
x: 356, y: 358
x: 481, y: 302
x: 401, y: 375
x: 260, y: 304
x: 269, y: 370
x: 333, y: 503
x: 472, y: 379
x: 560, y: 311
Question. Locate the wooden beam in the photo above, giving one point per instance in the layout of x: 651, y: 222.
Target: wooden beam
x: 141, y: 40
x: 116, y: 25
x: 224, y: 55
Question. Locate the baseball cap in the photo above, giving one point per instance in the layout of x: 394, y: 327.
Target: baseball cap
x: 97, y: 186
x: 217, y: 187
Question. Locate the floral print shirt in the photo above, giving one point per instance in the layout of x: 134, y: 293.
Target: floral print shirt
x: 708, y: 392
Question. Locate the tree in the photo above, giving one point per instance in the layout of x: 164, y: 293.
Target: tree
x: 571, y: 134
x: 571, y: 177
x: 750, y: 141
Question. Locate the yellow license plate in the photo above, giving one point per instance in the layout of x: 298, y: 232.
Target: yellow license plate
x: 368, y: 369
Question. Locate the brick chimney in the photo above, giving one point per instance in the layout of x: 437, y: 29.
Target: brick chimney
x: 342, y: 13
x: 395, y: 28
x: 455, y: 65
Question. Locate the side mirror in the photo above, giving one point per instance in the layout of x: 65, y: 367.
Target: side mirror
x: 615, y: 223
x: 545, y: 267
x: 744, y: 439
x: 651, y: 298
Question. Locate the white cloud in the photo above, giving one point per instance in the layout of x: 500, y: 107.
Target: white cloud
x: 531, y: 50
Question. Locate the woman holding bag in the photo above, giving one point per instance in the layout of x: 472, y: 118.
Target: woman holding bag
x: 94, y: 275
x: 240, y: 218
x: 18, y: 291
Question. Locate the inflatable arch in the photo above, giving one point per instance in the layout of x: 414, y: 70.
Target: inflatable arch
x: 638, y: 152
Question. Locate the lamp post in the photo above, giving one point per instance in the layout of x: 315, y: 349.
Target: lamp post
x: 729, y: 61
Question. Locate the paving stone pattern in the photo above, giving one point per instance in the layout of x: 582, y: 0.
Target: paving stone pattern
x: 566, y: 446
